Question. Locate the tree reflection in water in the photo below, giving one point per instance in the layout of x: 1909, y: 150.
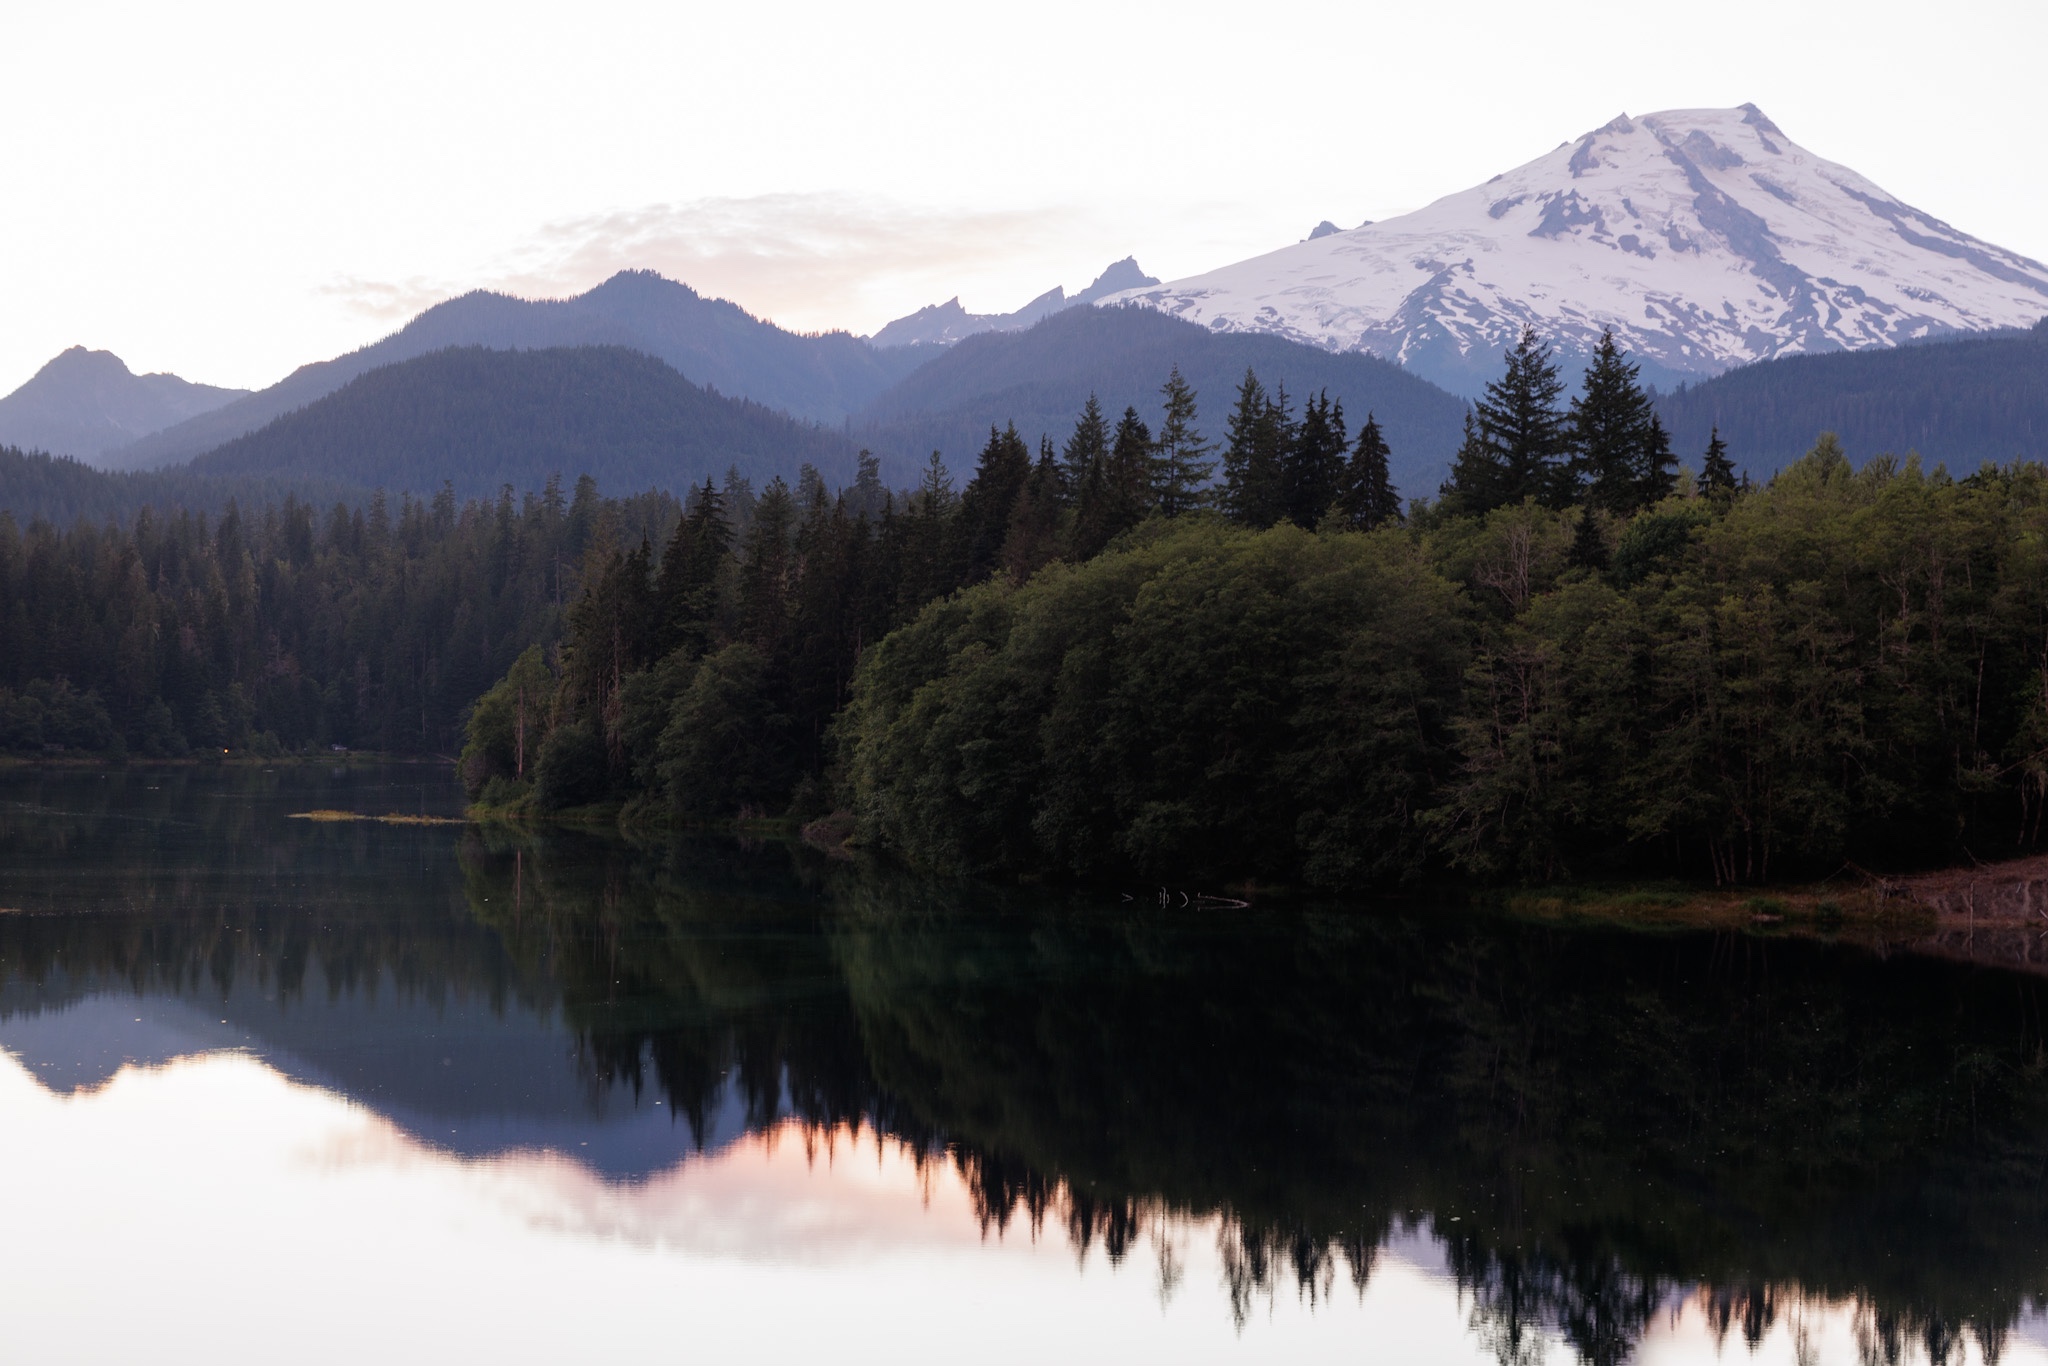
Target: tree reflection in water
x: 1599, y: 1128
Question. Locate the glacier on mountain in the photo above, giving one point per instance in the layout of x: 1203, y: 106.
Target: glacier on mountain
x: 1705, y: 238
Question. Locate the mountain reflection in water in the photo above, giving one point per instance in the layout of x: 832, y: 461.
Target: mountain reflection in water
x: 1590, y: 1134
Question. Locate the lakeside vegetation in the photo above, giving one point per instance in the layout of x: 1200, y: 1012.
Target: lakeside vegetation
x: 1574, y: 662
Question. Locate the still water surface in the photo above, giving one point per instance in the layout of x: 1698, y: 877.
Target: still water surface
x: 275, y: 1089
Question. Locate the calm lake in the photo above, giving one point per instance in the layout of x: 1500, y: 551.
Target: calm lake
x: 282, y: 1089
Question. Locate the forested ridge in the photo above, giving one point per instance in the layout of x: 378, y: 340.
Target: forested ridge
x: 1571, y: 661
x: 1963, y: 400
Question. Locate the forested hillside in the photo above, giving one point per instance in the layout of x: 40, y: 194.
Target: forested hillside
x: 286, y: 627
x: 1040, y: 377
x: 482, y: 419
x: 1960, y: 401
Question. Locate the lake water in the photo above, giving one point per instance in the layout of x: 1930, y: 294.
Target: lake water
x: 277, y: 1089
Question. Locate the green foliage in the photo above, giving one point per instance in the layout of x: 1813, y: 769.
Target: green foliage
x: 1842, y: 665
x: 1517, y: 439
x: 1207, y: 700
x: 573, y: 768
x: 725, y: 749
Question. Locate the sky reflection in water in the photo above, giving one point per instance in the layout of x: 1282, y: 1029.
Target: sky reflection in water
x: 394, y: 1093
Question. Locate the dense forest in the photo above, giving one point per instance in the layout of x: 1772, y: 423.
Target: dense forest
x: 62, y: 490
x: 1570, y: 662
x: 374, y: 626
x: 480, y: 419
x: 1963, y: 400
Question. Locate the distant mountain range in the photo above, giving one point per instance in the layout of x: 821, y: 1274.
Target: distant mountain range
x: 712, y: 342
x: 1705, y: 238
x: 86, y: 403
x: 946, y: 323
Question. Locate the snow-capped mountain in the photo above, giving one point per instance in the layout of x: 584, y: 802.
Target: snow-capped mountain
x: 1704, y: 237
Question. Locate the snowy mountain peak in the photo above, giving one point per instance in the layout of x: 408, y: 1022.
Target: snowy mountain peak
x: 1705, y: 238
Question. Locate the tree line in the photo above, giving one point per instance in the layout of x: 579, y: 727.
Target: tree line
x: 284, y: 628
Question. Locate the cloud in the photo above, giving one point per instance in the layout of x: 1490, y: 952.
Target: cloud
x: 807, y: 261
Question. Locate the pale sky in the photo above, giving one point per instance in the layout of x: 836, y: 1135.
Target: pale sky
x: 227, y: 191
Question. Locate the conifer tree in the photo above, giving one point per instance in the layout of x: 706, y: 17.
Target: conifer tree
x: 1182, y: 465
x: 1717, y: 471
x: 1516, y: 444
x: 764, y: 575
x: 1655, y: 468
x: 1312, y: 468
x: 1088, y: 448
x: 989, y: 499
x: 1368, y: 499
x: 693, y: 570
x: 1589, y: 543
x: 1118, y: 495
x: 1033, y: 539
x: 1260, y: 429
x: 1611, y: 433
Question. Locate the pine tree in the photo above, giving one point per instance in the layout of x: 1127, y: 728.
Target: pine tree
x: 1368, y: 499
x: 1612, y: 435
x: 1182, y: 466
x: 1312, y: 468
x: 1087, y: 449
x: 1119, y: 495
x: 1516, y: 444
x: 1717, y: 471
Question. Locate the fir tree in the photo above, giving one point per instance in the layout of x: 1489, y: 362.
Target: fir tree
x: 1655, y: 467
x: 1516, y: 445
x: 1260, y: 428
x: 1119, y: 497
x: 1612, y: 425
x: 1589, y: 542
x: 1368, y: 499
x: 1182, y: 466
x: 688, y: 592
x: 1717, y: 471
x: 1033, y: 539
x: 1312, y: 468
x: 989, y: 499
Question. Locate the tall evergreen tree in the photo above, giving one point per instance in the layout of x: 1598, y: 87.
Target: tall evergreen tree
x: 988, y: 501
x: 1183, y: 464
x: 1260, y: 430
x: 1516, y: 445
x: 1033, y: 539
x: 1119, y: 497
x: 693, y: 570
x: 1312, y: 467
x: 1717, y: 471
x: 1655, y: 468
x: 1611, y: 432
x: 1368, y: 499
